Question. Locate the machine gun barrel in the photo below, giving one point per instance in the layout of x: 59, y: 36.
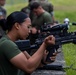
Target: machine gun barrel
x: 74, y: 23
x: 66, y: 39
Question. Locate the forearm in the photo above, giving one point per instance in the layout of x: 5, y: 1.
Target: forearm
x: 35, y: 59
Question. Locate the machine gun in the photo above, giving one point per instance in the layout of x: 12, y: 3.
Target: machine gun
x: 69, y: 38
x: 25, y: 44
x: 55, y: 30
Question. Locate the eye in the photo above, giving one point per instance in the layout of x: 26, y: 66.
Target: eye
x: 29, y: 27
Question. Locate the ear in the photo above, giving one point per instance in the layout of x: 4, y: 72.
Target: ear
x: 17, y: 25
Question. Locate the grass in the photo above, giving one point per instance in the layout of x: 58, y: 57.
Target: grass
x: 14, y: 8
x: 66, y: 8
x: 62, y: 9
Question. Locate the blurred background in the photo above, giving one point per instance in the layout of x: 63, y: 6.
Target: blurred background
x: 62, y: 8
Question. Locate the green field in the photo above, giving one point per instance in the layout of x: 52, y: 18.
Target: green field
x: 62, y: 9
x: 67, y: 8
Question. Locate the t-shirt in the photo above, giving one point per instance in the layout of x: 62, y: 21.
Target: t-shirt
x: 8, y: 50
x: 40, y: 20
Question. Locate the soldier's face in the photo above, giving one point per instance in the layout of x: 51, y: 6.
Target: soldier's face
x: 23, y: 29
x: 2, y: 2
x: 37, y: 11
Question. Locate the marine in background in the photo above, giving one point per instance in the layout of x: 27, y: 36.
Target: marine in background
x: 46, y: 6
x: 2, y: 18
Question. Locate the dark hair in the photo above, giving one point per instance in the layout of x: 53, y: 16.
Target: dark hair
x: 14, y: 17
x: 34, y: 5
x: 29, y: 0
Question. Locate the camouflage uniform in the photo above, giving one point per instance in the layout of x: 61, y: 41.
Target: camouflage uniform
x: 3, y: 11
x: 2, y: 16
x: 26, y: 10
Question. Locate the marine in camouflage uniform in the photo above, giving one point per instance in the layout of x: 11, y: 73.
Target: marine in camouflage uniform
x: 2, y: 12
x: 2, y: 16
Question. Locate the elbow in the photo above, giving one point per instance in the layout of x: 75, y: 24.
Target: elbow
x: 30, y: 70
